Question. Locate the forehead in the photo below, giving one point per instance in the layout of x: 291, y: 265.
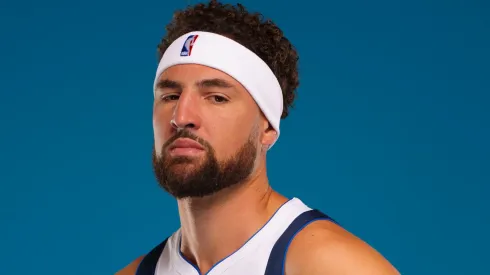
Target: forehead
x: 193, y: 72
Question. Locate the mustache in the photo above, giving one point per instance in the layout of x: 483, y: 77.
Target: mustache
x: 187, y: 134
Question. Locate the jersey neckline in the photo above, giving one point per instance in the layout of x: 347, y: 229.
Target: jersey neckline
x: 184, y: 266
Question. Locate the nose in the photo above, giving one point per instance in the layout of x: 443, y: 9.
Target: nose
x: 186, y: 112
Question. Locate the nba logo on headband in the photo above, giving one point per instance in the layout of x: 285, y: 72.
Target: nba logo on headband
x: 188, y: 44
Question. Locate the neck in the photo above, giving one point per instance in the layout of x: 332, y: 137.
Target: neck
x: 216, y: 226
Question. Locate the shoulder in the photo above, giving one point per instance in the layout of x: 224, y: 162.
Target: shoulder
x: 151, y: 257
x: 131, y: 268
x: 325, y: 248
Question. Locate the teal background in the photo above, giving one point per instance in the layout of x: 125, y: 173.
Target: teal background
x: 389, y: 134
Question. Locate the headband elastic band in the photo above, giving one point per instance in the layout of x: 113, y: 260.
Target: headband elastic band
x: 224, y: 54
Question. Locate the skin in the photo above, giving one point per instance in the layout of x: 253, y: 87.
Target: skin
x: 216, y: 113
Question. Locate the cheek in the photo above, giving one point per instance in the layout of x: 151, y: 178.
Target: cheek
x: 161, y: 129
x: 230, y: 134
x: 159, y: 137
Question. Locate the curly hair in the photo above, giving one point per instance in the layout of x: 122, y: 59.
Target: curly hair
x: 260, y: 36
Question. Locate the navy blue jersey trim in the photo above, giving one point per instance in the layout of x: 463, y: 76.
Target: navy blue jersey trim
x: 277, y: 258
x: 149, y: 263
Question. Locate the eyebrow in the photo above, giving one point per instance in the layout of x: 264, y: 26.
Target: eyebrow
x: 214, y: 82
x: 206, y: 83
x: 168, y: 84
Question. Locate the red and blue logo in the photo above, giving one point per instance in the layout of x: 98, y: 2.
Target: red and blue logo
x: 188, y: 44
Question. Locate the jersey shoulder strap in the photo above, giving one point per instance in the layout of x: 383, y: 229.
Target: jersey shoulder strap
x: 148, y: 265
x: 276, y: 262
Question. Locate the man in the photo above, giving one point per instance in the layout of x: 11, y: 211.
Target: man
x: 225, y: 80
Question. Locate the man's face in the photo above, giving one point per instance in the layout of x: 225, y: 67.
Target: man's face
x: 218, y: 137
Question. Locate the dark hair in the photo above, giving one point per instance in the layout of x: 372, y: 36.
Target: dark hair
x: 260, y: 36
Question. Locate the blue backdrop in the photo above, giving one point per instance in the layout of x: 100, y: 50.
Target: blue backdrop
x: 389, y: 134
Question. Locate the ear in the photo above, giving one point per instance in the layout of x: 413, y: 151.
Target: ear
x: 269, y: 134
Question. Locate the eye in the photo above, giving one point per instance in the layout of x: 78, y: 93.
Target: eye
x: 218, y: 99
x: 169, y: 97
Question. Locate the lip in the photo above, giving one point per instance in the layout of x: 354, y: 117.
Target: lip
x: 185, y: 143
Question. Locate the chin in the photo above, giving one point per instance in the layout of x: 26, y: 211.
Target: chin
x: 184, y: 169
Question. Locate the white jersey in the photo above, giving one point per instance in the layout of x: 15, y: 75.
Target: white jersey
x: 263, y: 254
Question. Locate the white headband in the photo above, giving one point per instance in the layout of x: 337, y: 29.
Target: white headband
x: 224, y: 54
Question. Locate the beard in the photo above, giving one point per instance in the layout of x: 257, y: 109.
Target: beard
x: 197, y: 177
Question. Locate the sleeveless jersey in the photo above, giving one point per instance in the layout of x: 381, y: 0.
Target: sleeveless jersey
x: 263, y: 254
